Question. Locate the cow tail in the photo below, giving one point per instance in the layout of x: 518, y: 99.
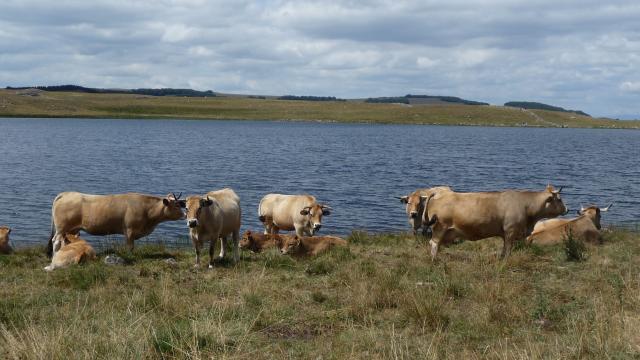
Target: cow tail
x: 426, y: 221
x: 261, y: 216
x: 53, y: 230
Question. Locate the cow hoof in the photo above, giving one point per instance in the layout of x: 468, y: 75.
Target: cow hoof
x: 48, y: 268
x: 210, y: 266
x: 196, y: 266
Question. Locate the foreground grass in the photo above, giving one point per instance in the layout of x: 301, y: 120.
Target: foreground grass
x: 380, y: 298
x: 84, y: 105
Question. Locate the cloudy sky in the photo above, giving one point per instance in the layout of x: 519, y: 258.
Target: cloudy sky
x: 579, y: 54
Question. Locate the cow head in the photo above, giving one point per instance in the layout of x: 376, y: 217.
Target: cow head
x: 553, y: 205
x: 314, y: 215
x: 4, y: 235
x: 174, y: 207
x: 290, y: 245
x: 195, y: 205
x: 593, y: 213
x: 414, y: 207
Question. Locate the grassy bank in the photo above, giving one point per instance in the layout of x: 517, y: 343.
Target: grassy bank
x: 60, y: 104
x: 380, y: 298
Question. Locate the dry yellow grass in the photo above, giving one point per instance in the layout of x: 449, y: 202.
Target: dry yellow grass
x: 61, y: 104
x: 380, y: 298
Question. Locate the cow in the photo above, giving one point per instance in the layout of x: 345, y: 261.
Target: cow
x: 5, y: 247
x: 415, y: 206
x: 310, y: 245
x: 132, y: 215
x: 74, y: 250
x: 301, y: 213
x: 585, y: 227
x: 256, y: 242
x: 509, y: 214
x: 215, y: 215
x: 592, y: 211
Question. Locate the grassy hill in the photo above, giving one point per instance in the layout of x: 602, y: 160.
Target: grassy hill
x: 21, y: 103
x: 379, y: 298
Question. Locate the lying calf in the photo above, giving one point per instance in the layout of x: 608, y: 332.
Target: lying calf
x: 585, y: 227
x: 74, y: 250
x: 257, y: 242
x: 5, y: 248
x: 310, y: 245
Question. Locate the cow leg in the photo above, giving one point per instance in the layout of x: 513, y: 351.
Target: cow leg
x: 196, y: 245
x: 236, y: 246
x: 58, y: 239
x: 223, y: 243
x: 212, y: 246
x: 129, y: 236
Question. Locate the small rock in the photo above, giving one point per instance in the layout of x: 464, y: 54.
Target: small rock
x: 171, y: 262
x: 543, y: 323
x: 113, y: 260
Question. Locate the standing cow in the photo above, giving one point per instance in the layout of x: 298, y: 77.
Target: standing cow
x: 415, y: 205
x: 291, y: 212
x: 509, y: 214
x: 585, y: 227
x: 212, y: 216
x: 132, y: 215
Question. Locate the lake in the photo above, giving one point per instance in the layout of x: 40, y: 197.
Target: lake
x: 358, y: 169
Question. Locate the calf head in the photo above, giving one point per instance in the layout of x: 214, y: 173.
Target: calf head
x: 72, y: 238
x: 414, y: 208
x: 173, y: 207
x: 247, y: 240
x: 314, y: 215
x: 290, y: 245
x: 593, y: 213
x: 4, y: 236
x: 195, y: 206
x: 553, y: 205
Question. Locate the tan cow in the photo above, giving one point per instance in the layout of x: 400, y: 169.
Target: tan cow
x: 5, y: 247
x: 291, y: 212
x: 585, y: 227
x: 415, y: 205
x: 310, y: 245
x: 216, y: 215
x: 132, y: 215
x: 257, y: 242
x: 509, y: 214
x: 592, y: 211
x: 74, y: 250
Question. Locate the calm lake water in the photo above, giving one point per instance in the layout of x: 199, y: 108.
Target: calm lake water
x: 358, y: 169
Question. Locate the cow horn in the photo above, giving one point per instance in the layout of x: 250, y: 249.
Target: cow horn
x: 582, y: 208
x: 326, y: 207
x: 607, y: 208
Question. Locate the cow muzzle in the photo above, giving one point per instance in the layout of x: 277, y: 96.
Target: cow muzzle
x: 192, y: 223
x: 316, y: 227
x: 413, y: 214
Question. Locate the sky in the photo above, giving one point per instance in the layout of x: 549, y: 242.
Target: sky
x: 578, y: 54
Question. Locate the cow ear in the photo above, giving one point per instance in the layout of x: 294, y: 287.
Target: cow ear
x: 404, y: 199
x: 8, y: 231
x: 326, y: 212
x: 165, y: 202
x: 304, y: 212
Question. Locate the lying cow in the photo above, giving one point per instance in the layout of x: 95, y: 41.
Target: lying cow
x: 310, y: 245
x: 585, y: 227
x: 132, y: 215
x: 509, y: 214
x: 415, y: 205
x: 257, y: 242
x: 5, y: 247
x: 216, y: 215
x: 74, y: 250
x: 291, y: 212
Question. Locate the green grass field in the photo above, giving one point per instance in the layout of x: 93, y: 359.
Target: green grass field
x: 84, y: 105
x: 379, y: 298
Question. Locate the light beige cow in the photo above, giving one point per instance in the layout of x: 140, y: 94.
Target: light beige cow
x: 5, y: 246
x: 415, y: 205
x: 215, y: 215
x: 509, y: 214
x: 74, y: 250
x: 133, y: 215
x: 301, y: 213
x: 585, y: 227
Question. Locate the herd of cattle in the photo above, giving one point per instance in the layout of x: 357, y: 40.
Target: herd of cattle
x: 512, y: 215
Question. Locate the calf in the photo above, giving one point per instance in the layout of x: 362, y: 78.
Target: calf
x: 257, y: 242
x: 310, y: 245
x: 74, y: 250
x: 5, y: 247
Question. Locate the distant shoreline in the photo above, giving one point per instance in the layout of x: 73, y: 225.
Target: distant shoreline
x: 56, y: 105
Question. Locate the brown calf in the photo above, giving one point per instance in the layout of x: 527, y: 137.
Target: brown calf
x: 310, y: 245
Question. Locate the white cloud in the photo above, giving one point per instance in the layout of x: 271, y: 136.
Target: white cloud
x: 630, y: 86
